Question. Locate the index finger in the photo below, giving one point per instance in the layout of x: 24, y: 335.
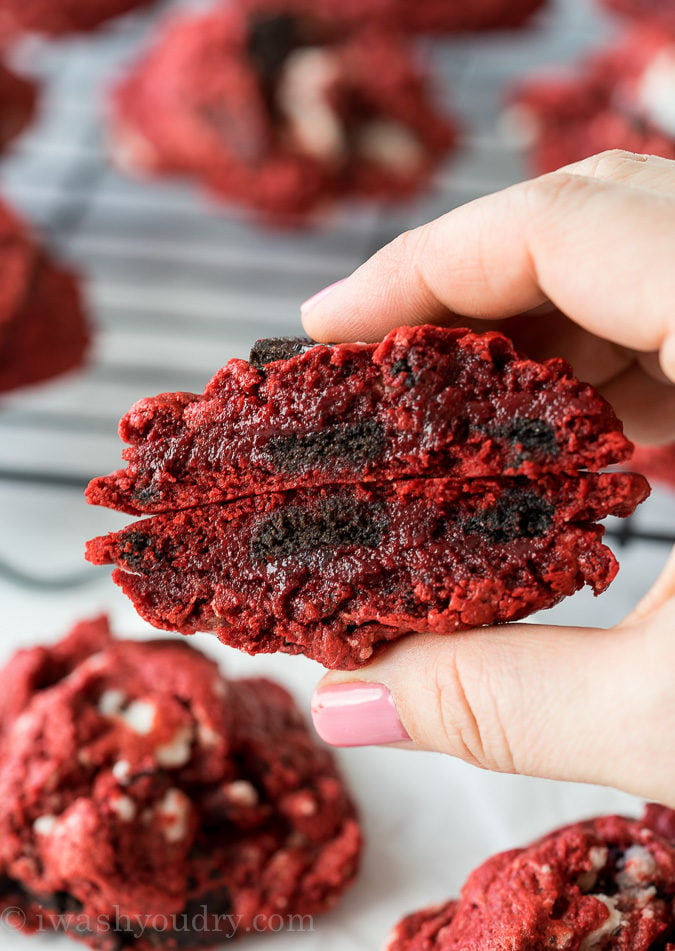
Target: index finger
x: 602, y: 252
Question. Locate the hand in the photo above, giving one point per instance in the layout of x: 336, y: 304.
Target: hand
x: 579, y: 264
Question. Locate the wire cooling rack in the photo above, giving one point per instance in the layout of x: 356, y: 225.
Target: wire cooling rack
x: 177, y: 286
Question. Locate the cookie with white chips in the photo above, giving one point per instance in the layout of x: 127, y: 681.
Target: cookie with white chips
x: 148, y: 802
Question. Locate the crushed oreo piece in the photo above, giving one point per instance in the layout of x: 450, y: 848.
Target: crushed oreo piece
x: 335, y: 522
x: 519, y: 513
x: 136, y: 544
x: 534, y: 436
x: 354, y: 445
x: 269, y: 349
x: 272, y: 39
x: 402, y: 366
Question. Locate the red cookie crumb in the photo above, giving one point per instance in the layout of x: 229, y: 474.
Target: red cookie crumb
x: 427, y: 401
x: 622, y: 98
x: 281, y: 107
x: 148, y: 802
x: 336, y: 572
x: 18, y: 99
x: 607, y: 884
x: 43, y: 326
x: 59, y: 16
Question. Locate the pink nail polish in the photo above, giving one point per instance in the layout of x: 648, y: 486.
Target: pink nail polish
x: 356, y: 714
x: 312, y: 301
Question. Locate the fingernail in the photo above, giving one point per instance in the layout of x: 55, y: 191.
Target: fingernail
x: 314, y: 300
x: 356, y: 714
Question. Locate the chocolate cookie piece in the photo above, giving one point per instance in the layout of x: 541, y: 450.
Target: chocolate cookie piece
x: 148, y: 802
x: 452, y: 16
x: 281, y: 106
x: 59, y: 16
x: 336, y: 572
x: 18, y: 99
x: 607, y: 884
x: 427, y: 401
x: 622, y: 98
x: 43, y: 326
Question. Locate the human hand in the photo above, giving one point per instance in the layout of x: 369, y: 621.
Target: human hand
x: 579, y: 264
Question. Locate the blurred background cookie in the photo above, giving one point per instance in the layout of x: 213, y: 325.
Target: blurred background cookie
x: 281, y: 109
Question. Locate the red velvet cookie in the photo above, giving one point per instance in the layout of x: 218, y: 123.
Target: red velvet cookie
x: 427, y: 401
x: 280, y: 106
x: 18, y: 99
x: 607, y: 884
x: 146, y: 802
x: 622, y: 98
x: 642, y: 9
x: 451, y: 16
x: 338, y: 571
x: 43, y: 326
x: 59, y: 16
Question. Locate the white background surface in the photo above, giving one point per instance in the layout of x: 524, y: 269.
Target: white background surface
x: 177, y: 288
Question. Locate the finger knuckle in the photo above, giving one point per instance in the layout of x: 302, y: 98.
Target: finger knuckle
x: 468, y: 717
x: 612, y: 165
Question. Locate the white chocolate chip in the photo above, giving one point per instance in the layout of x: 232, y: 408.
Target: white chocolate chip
x: 598, y: 857
x: 302, y: 95
x: 177, y: 752
x: 242, y: 793
x: 613, y: 922
x: 44, y: 825
x: 207, y: 735
x: 174, y: 807
x: 639, y: 868
x: 121, y: 771
x: 139, y: 716
x: 111, y: 702
x: 389, y: 144
x: 124, y: 807
x: 656, y: 92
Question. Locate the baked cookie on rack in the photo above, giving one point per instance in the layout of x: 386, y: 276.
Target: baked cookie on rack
x: 622, y: 98
x: 18, y: 100
x: 44, y: 330
x: 452, y: 16
x: 282, y: 108
x: 55, y: 17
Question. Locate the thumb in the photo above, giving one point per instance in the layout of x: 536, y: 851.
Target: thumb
x: 561, y: 703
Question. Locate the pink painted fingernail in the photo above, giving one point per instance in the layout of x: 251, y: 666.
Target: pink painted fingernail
x: 356, y: 714
x: 314, y: 300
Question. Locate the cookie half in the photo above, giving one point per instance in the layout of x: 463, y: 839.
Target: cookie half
x: 427, y: 401
x: 336, y: 572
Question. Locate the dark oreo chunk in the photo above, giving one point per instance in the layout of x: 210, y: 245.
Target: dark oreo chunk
x: 269, y: 349
x: 352, y: 445
x: 402, y: 366
x: 136, y: 544
x: 334, y: 522
x: 272, y: 39
x: 519, y: 513
x: 535, y: 436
